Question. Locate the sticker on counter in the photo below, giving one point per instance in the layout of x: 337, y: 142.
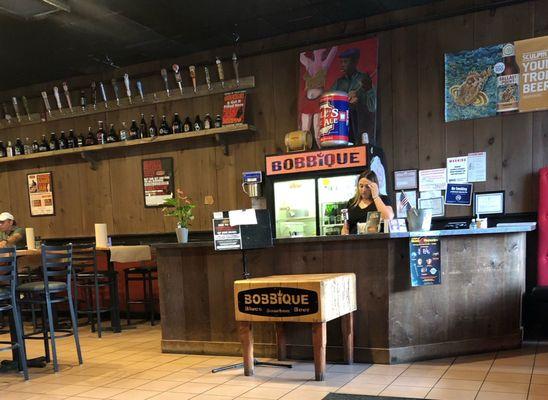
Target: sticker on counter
x: 458, y: 195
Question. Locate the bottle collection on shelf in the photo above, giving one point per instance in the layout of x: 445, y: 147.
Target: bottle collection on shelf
x: 83, y: 99
x: 133, y: 132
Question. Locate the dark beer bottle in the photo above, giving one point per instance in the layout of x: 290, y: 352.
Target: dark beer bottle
x: 71, y: 141
x: 164, y: 127
x: 177, y: 125
x: 123, y: 132
x: 152, y: 130
x: 218, y: 121
x: 187, y: 126
x: 112, y: 135
x: 101, y: 135
x: 143, y: 129
x: 208, y: 123
x: 81, y: 140
x: 35, y: 146
x: 53, y: 142
x: 18, y: 149
x: 133, y: 130
x: 3, y: 152
x: 44, y: 146
x: 198, y: 126
x: 91, y: 139
x: 63, y: 142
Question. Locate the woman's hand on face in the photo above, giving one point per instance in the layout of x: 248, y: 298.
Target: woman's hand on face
x: 374, y: 189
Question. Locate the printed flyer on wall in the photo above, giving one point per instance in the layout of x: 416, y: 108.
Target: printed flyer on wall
x: 40, y: 194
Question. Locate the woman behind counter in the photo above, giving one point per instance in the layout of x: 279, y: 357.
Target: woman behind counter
x: 367, y: 199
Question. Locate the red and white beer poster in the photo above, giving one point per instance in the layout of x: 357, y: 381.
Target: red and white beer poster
x: 157, y: 181
x: 234, y: 108
x: 40, y: 188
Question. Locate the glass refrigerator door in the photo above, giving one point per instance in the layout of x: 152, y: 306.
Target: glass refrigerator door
x: 295, y: 208
x: 333, y: 195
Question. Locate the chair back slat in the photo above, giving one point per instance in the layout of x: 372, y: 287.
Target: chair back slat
x: 8, y: 266
x: 57, y: 263
x: 84, y: 258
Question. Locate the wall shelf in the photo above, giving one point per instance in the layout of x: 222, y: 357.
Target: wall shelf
x: 88, y: 152
x: 160, y: 97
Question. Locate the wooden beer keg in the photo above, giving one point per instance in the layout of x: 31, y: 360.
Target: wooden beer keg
x: 298, y: 141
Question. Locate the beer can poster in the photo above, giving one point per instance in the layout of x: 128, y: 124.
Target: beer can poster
x: 40, y: 194
x: 532, y: 59
x: 157, y: 181
x: 425, y: 261
x: 349, y: 68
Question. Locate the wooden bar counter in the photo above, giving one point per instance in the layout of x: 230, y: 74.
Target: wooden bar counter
x: 477, y: 307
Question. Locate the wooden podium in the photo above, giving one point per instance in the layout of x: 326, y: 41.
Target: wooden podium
x: 309, y: 298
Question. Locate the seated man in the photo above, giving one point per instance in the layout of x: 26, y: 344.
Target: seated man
x: 10, y: 233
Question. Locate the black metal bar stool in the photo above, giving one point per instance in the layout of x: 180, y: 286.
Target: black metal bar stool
x: 55, y: 288
x: 146, y: 275
x: 8, y: 302
x: 89, y: 282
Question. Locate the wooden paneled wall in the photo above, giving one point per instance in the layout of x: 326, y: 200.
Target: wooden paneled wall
x: 412, y: 128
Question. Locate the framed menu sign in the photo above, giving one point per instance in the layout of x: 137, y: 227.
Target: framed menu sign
x: 40, y: 187
x: 157, y: 181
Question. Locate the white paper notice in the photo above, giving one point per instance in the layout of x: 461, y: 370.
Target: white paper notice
x: 432, y: 179
x: 242, y: 217
x: 457, y: 170
x: 431, y: 194
x: 477, y: 167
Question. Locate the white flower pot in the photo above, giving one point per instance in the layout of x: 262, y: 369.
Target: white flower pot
x: 182, y: 235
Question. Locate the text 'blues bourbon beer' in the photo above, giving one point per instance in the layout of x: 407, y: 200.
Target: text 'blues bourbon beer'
x: 334, y: 115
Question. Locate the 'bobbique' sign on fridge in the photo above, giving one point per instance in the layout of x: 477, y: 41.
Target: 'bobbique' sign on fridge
x: 493, y: 80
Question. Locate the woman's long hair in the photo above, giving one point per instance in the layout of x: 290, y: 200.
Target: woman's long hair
x: 367, y: 174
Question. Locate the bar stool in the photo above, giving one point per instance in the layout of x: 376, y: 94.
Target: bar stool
x: 146, y: 275
x: 89, y: 281
x: 8, y: 302
x: 55, y: 288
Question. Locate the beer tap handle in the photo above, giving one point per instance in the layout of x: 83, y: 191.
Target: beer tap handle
x: 94, y: 95
x: 83, y: 100
x: 116, y: 90
x: 163, y: 72
x: 46, y: 102
x: 140, y: 89
x: 208, y: 78
x: 235, y: 65
x: 57, y: 99
x: 128, y: 88
x: 103, y: 94
x: 178, y: 77
x: 26, y: 107
x: 67, y: 96
x: 192, y: 71
x: 7, y: 115
x: 16, y: 108
x: 220, y: 71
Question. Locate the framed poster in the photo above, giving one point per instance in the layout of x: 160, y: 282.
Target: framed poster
x: 425, y: 261
x: 40, y: 187
x: 405, y: 179
x: 489, y: 203
x: 433, y: 203
x: 157, y: 181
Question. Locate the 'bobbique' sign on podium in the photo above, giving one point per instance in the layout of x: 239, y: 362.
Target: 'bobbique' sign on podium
x: 346, y: 157
x: 278, y: 302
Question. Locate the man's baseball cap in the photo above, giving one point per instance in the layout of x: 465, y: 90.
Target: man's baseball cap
x: 350, y: 53
x: 5, y: 215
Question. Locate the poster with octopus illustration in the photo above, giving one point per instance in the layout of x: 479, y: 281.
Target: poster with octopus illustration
x: 471, y: 83
x: 349, y: 67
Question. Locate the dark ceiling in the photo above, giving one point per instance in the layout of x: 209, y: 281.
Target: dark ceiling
x: 82, y: 40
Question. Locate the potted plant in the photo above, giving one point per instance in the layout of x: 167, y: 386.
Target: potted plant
x: 180, y: 207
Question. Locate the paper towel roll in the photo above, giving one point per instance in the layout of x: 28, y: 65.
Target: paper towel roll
x: 101, y: 235
x: 31, y: 242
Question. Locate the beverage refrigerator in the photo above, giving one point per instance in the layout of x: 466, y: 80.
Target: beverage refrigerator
x: 309, y: 203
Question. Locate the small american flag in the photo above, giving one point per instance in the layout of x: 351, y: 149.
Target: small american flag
x: 404, y: 201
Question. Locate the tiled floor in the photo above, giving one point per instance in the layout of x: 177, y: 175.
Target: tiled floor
x: 130, y: 366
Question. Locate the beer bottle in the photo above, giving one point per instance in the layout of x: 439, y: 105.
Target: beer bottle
x: 63, y: 142
x: 3, y: 152
x: 44, y: 146
x: 18, y: 149
x: 71, y: 141
x: 143, y: 129
x: 198, y: 123
x: 218, y: 121
x: 53, y: 142
x: 112, y: 136
x: 207, y: 122
x: 508, y: 82
x: 123, y: 131
x: 187, y: 126
x: 177, y: 125
x: 35, y: 146
x: 91, y: 139
x: 81, y: 140
x: 164, y: 127
x: 27, y: 147
x: 152, y: 130
x: 9, y: 150
x: 101, y: 135
x: 133, y: 130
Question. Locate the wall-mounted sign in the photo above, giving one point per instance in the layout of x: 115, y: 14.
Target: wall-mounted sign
x: 432, y: 179
x: 532, y: 60
x: 405, y: 179
x: 234, y: 108
x: 425, y: 261
x: 433, y: 203
x: 157, y: 181
x: 458, y: 195
x: 477, y: 167
x: 40, y: 187
x: 226, y: 236
x: 278, y: 302
x: 346, y: 157
x: 457, y: 169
